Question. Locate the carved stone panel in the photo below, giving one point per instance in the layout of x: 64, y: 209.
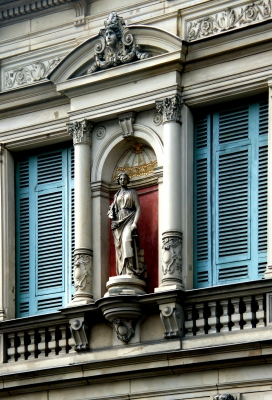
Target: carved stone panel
x: 228, y: 19
x: 172, y: 258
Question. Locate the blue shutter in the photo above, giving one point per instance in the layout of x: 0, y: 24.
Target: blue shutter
x: 237, y: 194
x: 202, y: 210
x: 43, y: 232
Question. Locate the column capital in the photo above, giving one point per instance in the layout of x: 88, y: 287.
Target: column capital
x: 80, y: 131
x: 170, y: 109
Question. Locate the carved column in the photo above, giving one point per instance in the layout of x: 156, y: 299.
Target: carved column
x: 268, y: 272
x: 170, y: 109
x: 83, y: 258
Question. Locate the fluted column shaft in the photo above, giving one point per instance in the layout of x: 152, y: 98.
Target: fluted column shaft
x: 170, y: 109
x: 83, y: 257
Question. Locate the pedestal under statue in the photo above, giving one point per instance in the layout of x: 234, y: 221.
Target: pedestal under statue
x: 125, y: 212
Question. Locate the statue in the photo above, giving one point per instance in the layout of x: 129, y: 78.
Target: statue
x: 125, y: 212
x: 116, y: 45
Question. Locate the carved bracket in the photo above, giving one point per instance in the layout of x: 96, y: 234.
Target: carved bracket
x: 80, y: 131
x: 172, y: 319
x: 170, y: 109
x: 225, y: 396
x: 78, y: 330
x: 80, y: 7
x: 126, y: 122
x: 125, y: 329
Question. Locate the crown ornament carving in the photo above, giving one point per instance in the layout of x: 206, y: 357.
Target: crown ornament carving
x: 116, y: 45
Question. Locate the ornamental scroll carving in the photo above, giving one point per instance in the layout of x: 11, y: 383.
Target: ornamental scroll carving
x: 80, y: 131
x: 224, y: 397
x: 116, y: 45
x: 170, y: 109
x: 28, y: 74
x: 230, y: 18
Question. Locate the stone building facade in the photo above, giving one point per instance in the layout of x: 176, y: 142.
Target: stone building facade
x: 176, y: 93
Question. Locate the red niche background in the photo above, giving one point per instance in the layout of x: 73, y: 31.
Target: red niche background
x: 148, y: 234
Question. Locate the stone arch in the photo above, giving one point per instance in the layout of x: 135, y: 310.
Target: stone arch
x: 116, y: 145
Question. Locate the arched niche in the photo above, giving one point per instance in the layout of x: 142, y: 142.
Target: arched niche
x: 147, y: 189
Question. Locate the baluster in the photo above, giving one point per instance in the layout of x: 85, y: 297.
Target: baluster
x: 11, y: 350
x: 260, y: 315
x: 213, y: 319
x: 52, y: 341
x: 189, y: 321
x: 63, y: 342
x: 32, y: 347
x: 235, y: 317
x: 42, y: 343
x: 200, y: 322
x: 247, y: 315
x: 224, y: 319
x: 21, y: 349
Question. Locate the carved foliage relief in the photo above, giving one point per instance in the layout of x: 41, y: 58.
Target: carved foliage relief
x: 116, y: 45
x: 28, y: 74
x: 230, y: 18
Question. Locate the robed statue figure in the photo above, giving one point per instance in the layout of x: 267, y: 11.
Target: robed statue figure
x: 125, y: 212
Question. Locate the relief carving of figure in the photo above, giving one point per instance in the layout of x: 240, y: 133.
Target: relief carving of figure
x: 124, y: 213
x: 116, y: 45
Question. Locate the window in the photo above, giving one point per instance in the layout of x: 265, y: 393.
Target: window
x: 44, y: 231
x: 230, y: 189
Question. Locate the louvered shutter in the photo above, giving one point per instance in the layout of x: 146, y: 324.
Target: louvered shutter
x: 202, y: 210
x: 44, y: 188
x: 237, y: 194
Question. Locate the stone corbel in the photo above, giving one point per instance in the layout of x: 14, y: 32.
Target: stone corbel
x: 126, y: 122
x: 172, y: 319
x: 225, y: 396
x: 78, y: 330
x: 80, y: 7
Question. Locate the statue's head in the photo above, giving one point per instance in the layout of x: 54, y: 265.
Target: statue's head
x: 113, y: 32
x: 123, y: 175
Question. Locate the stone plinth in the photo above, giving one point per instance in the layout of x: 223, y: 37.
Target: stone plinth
x: 125, y: 285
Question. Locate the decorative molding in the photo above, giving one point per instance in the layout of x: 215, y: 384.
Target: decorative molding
x: 78, y: 331
x: 116, y: 45
x: 124, y: 329
x: 172, y: 320
x: 126, y: 122
x: 172, y: 258
x: 100, y: 132
x: 18, y: 9
x: 80, y: 131
x: 170, y: 109
x: 225, y: 396
x: 30, y: 73
x: 228, y: 19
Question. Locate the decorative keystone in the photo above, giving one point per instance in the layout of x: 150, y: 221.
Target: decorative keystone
x: 172, y: 319
x: 78, y: 331
x: 126, y: 122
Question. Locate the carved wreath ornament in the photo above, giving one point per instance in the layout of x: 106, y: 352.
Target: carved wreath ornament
x: 116, y: 45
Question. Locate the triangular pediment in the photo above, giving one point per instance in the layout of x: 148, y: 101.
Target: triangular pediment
x: 148, y: 41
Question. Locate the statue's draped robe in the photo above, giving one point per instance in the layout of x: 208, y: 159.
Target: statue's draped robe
x: 124, y: 212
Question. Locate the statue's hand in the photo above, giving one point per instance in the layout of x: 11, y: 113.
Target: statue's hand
x: 133, y: 226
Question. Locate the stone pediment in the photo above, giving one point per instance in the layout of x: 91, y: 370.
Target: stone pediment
x: 115, y: 46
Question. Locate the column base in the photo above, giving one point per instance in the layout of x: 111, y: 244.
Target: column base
x: 125, y: 285
x: 169, y: 286
x: 79, y: 301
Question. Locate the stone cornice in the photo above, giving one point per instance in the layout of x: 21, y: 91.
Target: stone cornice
x: 18, y: 8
